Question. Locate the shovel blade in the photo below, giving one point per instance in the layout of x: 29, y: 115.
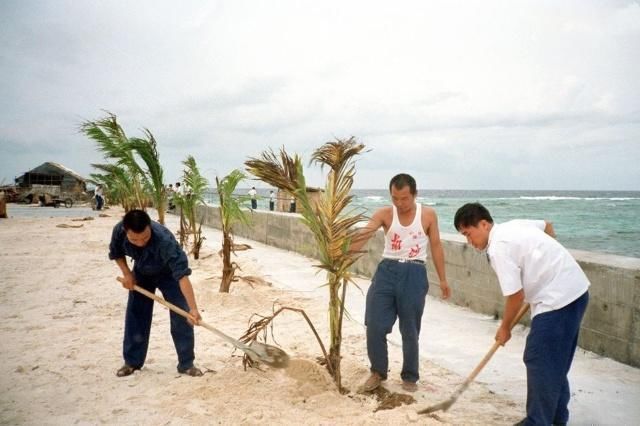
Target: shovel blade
x: 444, y: 406
x: 267, y: 354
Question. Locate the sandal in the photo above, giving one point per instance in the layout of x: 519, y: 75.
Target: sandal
x: 126, y: 370
x: 191, y: 371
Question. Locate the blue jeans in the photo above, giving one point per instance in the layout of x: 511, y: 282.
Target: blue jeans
x: 548, y: 355
x: 137, y: 326
x: 398, y: 290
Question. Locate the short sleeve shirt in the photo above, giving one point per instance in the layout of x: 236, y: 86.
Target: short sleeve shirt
x: 162, y: 254
x: 525, y: 257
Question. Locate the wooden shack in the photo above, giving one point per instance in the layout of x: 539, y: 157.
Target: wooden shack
x: 52, y: 178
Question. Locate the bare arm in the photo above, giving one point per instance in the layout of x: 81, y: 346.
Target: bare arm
x: 365, y: 234
x: 512, y: 305
x: 129, y: 279
x: 437, y: 253
x: 548, y: 228
x: 187, y: 291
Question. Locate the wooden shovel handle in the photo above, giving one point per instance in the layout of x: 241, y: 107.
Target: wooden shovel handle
x: 188, y: 316
x: 159, y: 299
x: 523, y: 310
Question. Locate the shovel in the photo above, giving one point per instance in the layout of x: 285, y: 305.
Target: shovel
x: 446, y: 404
x: 258, y: 352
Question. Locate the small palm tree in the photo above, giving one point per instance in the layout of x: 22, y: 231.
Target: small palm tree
x: 146, y: 183
x: 332, y: 226
x: 117, y: 184
x: 114, y: 144
x: 230, y: 213
x: 195, y: 186
x: 147, y: 150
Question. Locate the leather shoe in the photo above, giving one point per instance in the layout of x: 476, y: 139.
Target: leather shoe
x: 126, y: 370
x: 409, y: 386
x: 372, y: 382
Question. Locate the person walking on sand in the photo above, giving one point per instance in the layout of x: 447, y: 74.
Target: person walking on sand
x: 159, y: 263
x: 399, y: 287
x: 254, y: 202
x: 533, y: 267
x: 99, y: 197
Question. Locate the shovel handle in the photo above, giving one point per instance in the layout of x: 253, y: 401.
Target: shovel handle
x: 187, y: 315
x: 523, y: 310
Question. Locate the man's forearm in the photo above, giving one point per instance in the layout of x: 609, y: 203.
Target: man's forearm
x: 122, y: 264
x: 187, y: 291
x: 360, y: 239
x: 437, y: 253
x: 511, y: 307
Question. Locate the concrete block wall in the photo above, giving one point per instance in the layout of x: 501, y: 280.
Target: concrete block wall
x: 611, y: 326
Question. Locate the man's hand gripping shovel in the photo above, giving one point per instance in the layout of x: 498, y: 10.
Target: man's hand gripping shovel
x: 258, y: 352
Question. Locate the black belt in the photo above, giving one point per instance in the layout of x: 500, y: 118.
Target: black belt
x: 421, y: 262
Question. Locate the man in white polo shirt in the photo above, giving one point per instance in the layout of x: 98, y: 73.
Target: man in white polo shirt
x: 533, y: 267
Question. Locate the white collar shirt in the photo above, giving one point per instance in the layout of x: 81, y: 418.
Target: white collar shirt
x: 525, y: 257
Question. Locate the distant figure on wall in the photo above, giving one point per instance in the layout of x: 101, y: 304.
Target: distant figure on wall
x: 292, y: 205
x: 254, y: 202
x: 272, y: 201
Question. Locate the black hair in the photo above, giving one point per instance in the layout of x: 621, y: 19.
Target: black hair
x: 401, y: 180
x: 470, y: 214
x: 136, y: 221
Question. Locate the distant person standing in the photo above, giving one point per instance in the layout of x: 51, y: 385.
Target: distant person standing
x: 292, y: 204
x: 272, y: 200
x: 170, y: 194
x: 161, y: 264
x: 99, y: 197
x: 533, y: 267
x: 254, y: 202
x: 179, y: 189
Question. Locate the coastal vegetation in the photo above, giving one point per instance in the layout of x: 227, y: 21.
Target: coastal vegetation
x: 189, y: 202
x: 230, y: 213
x: 134, y: 175
x: 328, y: 218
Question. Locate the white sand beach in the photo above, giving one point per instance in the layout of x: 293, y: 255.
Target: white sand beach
x: 62, y: 318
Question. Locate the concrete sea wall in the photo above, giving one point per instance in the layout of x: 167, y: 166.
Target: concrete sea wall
x: 611, y: 326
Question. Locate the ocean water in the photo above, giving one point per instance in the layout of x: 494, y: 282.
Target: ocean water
x: 599, y: 221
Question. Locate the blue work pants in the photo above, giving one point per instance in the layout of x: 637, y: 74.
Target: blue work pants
x: 137, y: 327
x: 548, y: 355
x: 398, y: 290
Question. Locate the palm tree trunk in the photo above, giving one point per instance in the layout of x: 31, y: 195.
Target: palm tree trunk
x: 336, y: 330
x: 227, y: 268
x: 161, y: 213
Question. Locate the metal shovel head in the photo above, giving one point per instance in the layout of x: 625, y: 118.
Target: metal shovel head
x: 444, y: 406
x: 267, y: 354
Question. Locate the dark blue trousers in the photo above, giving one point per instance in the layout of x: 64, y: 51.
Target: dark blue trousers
x: 398, y: 290
x: 548, y: 355
x: 137, y: 328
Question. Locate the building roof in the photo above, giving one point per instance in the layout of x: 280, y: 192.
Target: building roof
x: 49, y: 167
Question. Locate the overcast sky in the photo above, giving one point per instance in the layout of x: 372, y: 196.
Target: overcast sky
x: 463, y: 95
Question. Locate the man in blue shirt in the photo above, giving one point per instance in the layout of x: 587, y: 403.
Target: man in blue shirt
x: 159, y: 263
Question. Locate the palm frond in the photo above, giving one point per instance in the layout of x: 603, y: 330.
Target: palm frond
x: 280, y: 172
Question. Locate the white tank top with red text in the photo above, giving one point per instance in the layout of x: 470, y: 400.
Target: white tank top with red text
x: 406, y: 242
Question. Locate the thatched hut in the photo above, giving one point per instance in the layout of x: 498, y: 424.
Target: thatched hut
x: 51, y: 178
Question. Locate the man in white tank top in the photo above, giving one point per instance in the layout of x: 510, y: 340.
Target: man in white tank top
x: 399, y: 286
